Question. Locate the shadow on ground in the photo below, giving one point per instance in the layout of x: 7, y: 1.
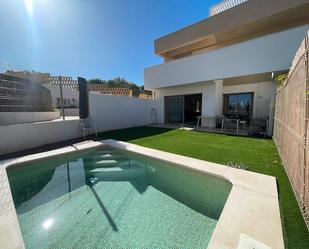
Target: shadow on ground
x: 133, y: 133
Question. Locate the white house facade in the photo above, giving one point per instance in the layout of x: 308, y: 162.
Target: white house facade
x: 226, y: 65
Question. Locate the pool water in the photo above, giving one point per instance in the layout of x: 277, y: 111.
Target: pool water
x: 108, y: 198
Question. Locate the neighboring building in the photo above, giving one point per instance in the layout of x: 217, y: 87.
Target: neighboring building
x: 65, y: 81
x: 145, y: 95
x: 70, y: 91
x: 93, y: 88
x: 118, y: 91
x: 20, y: 94
x: 225, y: 65
x: 51, y: 82
x: 30, y: 75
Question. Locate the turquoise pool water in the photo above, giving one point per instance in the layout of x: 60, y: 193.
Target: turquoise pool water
x: 107, y: 198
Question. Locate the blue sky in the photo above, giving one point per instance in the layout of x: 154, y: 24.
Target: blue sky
x: 91, y: 38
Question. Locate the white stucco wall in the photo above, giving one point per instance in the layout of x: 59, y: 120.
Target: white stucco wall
x: 19, y: 137
x: 68, y: 94
x: 212, y: 96
x: 116, y: 112
x: 7, y: 118
x: 268, y: 53
x: 109, y: 113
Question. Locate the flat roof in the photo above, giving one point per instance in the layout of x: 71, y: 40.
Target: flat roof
x: 245, y: 21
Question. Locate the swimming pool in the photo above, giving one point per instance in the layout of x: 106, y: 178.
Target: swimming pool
x: 134, y: 197
x: 111, y: 198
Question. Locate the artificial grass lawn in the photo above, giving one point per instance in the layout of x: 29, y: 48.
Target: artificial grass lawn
x: 259, y: 154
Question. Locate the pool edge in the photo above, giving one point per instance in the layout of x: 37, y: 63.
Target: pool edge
x: 251, y: 193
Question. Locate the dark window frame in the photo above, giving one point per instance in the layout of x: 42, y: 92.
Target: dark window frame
x: 225, y: 104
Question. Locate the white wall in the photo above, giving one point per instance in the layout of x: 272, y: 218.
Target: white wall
x: 212, y: 96
x: 117, y: 112
x: 109, y: 113
x: 263, y: 93
x: 69, y: 112
x: 26, y: 117
x: 273, y: 52
x: 29, y: 135
x: 68, y: 94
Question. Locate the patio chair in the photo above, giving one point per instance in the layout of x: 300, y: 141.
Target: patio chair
x: 206, y: 122
x: 259, y: 126
x: 88, y: 126
x: 219, y: 122
x: 230, y: 124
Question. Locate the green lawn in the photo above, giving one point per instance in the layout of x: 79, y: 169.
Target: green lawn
x: 259, y: 154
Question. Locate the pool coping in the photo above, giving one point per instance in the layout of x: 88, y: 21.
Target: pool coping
x: 252, y: 207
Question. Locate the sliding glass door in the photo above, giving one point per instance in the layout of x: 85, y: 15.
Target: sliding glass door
x: 193, y: 108
x: 174, y: 106
x: 183, y: 109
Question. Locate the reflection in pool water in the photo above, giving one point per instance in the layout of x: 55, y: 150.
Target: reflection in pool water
x: 108, y: 198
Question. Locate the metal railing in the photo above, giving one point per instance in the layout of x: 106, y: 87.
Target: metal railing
x: 22, y: 99
x: 225, y: 5
x: 18, y: 94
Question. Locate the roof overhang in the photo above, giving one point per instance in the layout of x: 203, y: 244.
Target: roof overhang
x: 243, y: 22
x: 252, y: 79
x: 266, y: 54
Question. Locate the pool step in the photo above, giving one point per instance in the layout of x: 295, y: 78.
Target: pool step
x: 112, y: 156
x: 117, y: 173
x: 105, y: 157
x: 107, y: 161
x: 114, y: 161
x: 122, y: 165
x: 109, y: 169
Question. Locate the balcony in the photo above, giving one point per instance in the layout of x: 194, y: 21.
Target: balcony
x: 270, y: 53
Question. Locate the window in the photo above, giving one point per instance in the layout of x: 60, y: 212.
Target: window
x: 238, y: 105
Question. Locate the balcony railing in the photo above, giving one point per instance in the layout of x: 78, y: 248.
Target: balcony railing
x: 225, y: 5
